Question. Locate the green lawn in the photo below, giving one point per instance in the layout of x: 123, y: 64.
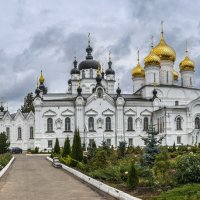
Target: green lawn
x: 185, y: 192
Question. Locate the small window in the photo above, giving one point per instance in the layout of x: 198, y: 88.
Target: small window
x: 83, y: 74
x: 130, y: 124
x: 91, y: 141
x: 178, y: 139
x: 108, y: 142
x: 31, y: 132
x: 154, y: 77
x: 100, y: 93
x: 19, y: 133
x: 176, y: 103
x: 130, y: 142
x: 8, y: 132
x: 197, y: 123
x: 67, y: 124
x: 178, y: 123
x: 50, y: 144
x: 91, y: 123
x: 167, y: 77
x: 190, y: 81
x: 91, y: 73
x: 108, y: 123
x: 146, y: 123
x: 49, y: 125
x: 158, y: 122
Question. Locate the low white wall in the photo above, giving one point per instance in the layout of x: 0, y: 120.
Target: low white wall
x: 101, y: 186
x: 3, y: 171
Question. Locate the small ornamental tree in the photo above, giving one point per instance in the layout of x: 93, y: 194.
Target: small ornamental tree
x: 4, y: 144
x: 122, y: 149
x: 67, y: 148
x: 133, y: 179
x: 56, y: 147
x: 152, y: 146
x: 77, y: 152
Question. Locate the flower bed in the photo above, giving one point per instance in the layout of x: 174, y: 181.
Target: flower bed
x: 4, y: 160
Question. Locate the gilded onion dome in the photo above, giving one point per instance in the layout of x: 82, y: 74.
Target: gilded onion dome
x: 187, y: 64
x: 138, y: 71
x: 41, y: 79
x: 163, y: 50
x: 152, y: 58
x: 175, y: 75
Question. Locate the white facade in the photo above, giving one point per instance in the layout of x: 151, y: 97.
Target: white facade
x: 101, y: 114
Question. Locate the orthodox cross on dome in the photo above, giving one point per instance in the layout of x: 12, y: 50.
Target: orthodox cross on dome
x: 88, y: 39
x: 109, y: 55
x: 162, y: 32
x: 138, y: 54
x: 152, y: 41
x: 186, y: 48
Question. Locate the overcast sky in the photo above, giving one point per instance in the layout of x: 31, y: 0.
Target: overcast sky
x: 47, y: 34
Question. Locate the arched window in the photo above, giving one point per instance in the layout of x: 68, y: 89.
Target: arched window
x: 91, y: 73
x: 31, y: 132
x: 91, y: 123
x: 100, y: 93
x: 108, y: 123
x: 49, y: 125
x: 146, y: 123
x: 197, y: 123
x: 130, y: 124
x: 83, y: 74
x: 8, y: 132
x: 19, y: 133
x: 178, y: 123
x: 67, y: 124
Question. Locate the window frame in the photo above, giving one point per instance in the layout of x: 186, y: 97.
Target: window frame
x: 67, y: 124
x: 146, y: 124
x: 130, y: 124
x: 49, y: 125
x: 197, y: 125
x: 108, y: 124
x: 19, y: 133
x: 31, y: 133
x: 179, y: 123
x: 91, y: 124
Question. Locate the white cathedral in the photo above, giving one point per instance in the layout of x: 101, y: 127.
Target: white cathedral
x: 102, y: 114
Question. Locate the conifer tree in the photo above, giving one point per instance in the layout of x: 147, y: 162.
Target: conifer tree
x: 4, y: 144
x: 57, y: 147
x: 151, y: 149
x: 77, y: 152
x: 67, y: 148
x: 133, y: 179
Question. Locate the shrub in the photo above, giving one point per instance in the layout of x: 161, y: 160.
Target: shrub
x: 66, y: 160
x: 188, y: 169
x: 100, y: 159
x: 4, y: 159
x: 133, y: 179
x: 67, y: 148
x: 122, y: 149
x: 36, y: 150
x: 57, y: 147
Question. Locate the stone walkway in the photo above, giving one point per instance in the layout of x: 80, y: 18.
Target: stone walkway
x: 33, y: 178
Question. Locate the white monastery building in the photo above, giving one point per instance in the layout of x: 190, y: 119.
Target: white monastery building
x: 102, y: 114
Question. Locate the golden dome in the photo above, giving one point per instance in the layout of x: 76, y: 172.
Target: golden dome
x: 41, y: 78
x: 187, y: 64
x: 164, y: 51
x: 175, y: 75
x: 138, y: 71
x: 151, y: 59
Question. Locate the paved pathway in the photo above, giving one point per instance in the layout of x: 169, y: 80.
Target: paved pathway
x: 33, y: 178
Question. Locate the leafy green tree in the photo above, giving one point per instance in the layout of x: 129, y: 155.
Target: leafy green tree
x: 67, y: 148
x: 4, y: 144
x: 57, y: 147
x: 133, y: 179
x: 28, y: 103
x: 188, y: 169
x: 152, y: 146
x: 77, y: 152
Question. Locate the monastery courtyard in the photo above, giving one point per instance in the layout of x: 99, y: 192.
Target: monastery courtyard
x: 34, y: 178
